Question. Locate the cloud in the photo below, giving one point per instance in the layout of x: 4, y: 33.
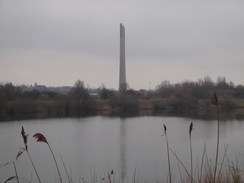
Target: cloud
x: 159, y: 34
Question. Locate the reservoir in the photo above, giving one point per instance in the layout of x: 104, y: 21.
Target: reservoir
x: 94, y: 149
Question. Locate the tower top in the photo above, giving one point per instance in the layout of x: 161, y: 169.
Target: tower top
x: 122, y: 31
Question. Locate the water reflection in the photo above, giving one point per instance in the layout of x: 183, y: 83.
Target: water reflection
x: 94, y: 143
x: 123, y: 150
x: 207, y: 114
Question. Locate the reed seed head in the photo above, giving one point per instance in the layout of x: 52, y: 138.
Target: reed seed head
x: 214, y: 98
x: 25, y: 137
x: 5, y: 164
x: 165, y: 129
x: 190, y: 128
x: 19, y: 154
x: 10, y: 178
x: 40, y: 138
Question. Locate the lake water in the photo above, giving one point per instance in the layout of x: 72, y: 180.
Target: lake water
x: 132, y: 147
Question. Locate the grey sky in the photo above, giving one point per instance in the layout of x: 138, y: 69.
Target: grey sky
x: 56, y: 42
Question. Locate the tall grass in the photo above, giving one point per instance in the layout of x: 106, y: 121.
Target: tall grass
x: 25, y: 149
x: 214, y: 101
x: 15, y: 170
x: 40, y: 138
x: 182, y: 164
x: 66, y: 171
x: 190, y: 131
x: 167, y: 143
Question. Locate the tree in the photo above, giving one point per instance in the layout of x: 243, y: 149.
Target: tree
x: 165, y: 88
x: 9, y: 91
x: 104, y: 93
x: 81, y: 97
x: 206, y: 83
x: 124, y: 87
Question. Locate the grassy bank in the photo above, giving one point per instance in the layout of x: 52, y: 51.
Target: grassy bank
x: 48, y: 108
x: 79, y: 100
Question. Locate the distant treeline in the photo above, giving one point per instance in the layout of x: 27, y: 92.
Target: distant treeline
x: 187, y: 95
x: 196, y: 94
x: 14, y: 101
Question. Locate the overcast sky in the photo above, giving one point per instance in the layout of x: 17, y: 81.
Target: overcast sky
x: 56, y: 42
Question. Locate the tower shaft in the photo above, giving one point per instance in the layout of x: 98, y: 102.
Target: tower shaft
x: 122, y: 73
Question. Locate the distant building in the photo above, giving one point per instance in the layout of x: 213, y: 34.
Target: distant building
x: 122, y: 73
x: 40, y: 87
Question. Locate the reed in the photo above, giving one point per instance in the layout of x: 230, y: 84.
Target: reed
x: 66, y: 171
x: 40, y: 138
x: 17, y: 178
x: 15, y: 170
x: 214, y: 101
x: 109, y: 176
x: 182, y: 164
x: 201, y: 169
x: 190, y: 131
x: 167, y: 143
x: 222, y: 162
x: 134, y: 178
x: 178, y: 165
x: 25, y: 149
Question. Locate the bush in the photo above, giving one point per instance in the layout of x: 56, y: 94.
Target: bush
x: 21, y: 106
x: 125, y: 104
x: 159, y: 104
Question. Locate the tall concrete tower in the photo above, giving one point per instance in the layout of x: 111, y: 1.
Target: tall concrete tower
x: 122, y: 75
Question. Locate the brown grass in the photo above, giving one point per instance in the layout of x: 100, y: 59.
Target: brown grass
x: 167, y: 143
x: 40, y: 138
x: 214, y: 101
x: 25, y: 139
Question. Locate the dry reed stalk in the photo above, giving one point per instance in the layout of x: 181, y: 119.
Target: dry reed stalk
x: 167, y: 143
x: 178, y: 164
x: 182, y: 165
x: 25, y: 139
x: 15, y: 170
x: 203, y: 155
x: 40, y: 138
x: 236, y: 174
x: 214, y: 101
x: 10, y: 178
x: 134, y: 178
x: 190, y: 131
x: 69, y: 179
x: 17, y: 178
x: 222, y: 162
x: 210, y: 171
x: 109, y: 176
